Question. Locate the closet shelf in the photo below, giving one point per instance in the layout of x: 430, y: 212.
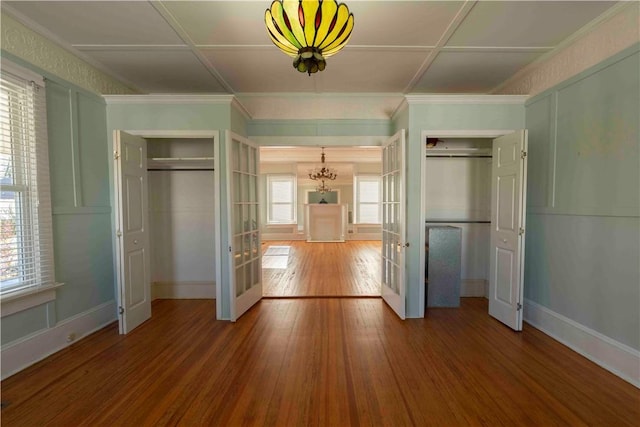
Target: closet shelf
x: 169, y: 163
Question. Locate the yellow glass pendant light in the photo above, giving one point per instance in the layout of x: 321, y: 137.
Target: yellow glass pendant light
x: 309, y: 30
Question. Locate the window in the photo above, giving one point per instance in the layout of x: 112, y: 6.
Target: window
x: 367, y: 199
x: 26, y: 243
x: 281, y: 199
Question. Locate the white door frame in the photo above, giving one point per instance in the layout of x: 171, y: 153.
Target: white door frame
x: 215, y: 135
x: 444, y: 133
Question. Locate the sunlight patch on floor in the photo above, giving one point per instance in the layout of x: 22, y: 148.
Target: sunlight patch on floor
x: 276, y: 257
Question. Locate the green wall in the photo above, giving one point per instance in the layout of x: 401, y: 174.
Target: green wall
x: 78, y: 158
x: 324, y: 127
x: 583, y: 227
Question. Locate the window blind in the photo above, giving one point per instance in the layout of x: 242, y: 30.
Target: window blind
x: 281, y: 199
x: 26, y: 237
x: 367, y: 200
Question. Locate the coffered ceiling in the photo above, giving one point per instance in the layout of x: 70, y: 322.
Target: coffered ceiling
x: 222, y: 47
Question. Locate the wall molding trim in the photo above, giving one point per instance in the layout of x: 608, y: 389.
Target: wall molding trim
x: 32, y: 348
x: 169, y: 99
x: 466, y: 99
x: 183, y: 290
x: 610, y: 354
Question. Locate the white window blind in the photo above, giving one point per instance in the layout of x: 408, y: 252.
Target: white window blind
x: 367, y: 199
x: 26, y: 242
x: 281, y: 194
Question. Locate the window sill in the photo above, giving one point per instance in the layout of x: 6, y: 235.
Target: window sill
x: 14, y: 302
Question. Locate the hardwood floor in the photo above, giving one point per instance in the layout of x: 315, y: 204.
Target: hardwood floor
x: 306, y: 269
x: 318, y: 362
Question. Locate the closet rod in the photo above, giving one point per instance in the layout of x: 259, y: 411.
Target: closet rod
x: 440, y: 221
x: 180, y: 169
x: 472, y: 156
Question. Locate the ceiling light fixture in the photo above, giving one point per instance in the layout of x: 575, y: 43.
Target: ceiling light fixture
x: 323, y: 188
x: 309, y: 30
x: 323, y: 172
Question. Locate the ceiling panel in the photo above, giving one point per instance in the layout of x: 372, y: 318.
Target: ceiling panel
x: 221, y: 22
x: 525, y: 23
x: 159, y: 71
x: 99, y: 22
x: 471, y: 72
x: 260, y: 69
x: 373, y: 70
x: 401, y: 23
x: 352, y: 70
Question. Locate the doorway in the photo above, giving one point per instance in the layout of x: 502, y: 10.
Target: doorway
x: 294, y: 267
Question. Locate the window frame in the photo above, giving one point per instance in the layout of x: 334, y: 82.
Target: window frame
x: 281, y: 177
x: 356, y: 197
x: 32, y: 196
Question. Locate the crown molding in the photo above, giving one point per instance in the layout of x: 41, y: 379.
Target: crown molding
x: 465, y: 99
x: 235, y: 102
x: 169, y: 99
x: 403, y: 105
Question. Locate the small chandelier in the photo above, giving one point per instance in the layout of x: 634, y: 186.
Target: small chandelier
x: 323, y: 172
x: 309, y: 30
x: 323, y: 188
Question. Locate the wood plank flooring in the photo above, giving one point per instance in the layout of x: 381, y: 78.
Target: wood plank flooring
x: 301, y: 269
x: 318, y: 362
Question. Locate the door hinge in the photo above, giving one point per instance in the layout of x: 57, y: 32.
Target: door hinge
x: 229, y: 249
x: 521, y: 231
x: 519, y: 307
x: 120, y: 310
x: 119, y: 233
x: 523, y: 154
x: 116, y: 155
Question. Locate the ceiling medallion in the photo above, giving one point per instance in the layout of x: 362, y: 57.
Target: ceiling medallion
x: 309, y: 30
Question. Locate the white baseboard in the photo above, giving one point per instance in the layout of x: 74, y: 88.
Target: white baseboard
x: 473, y: 288
x: 183, y: 290
x: 28, y: 350
x: 612, y: 355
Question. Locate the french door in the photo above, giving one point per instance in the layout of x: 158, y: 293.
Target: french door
x: 393, y: 223
x: 244, y: 224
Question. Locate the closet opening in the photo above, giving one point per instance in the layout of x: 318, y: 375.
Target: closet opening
x: 182, y: 222
x: 457, y: 192
x: 166, y: 219
x: 474, y: 210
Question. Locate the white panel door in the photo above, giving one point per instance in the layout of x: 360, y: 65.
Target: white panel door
x: 393, y: 223
x: 244, y: 224
x: 132, y: 230
x: 508, y: 201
